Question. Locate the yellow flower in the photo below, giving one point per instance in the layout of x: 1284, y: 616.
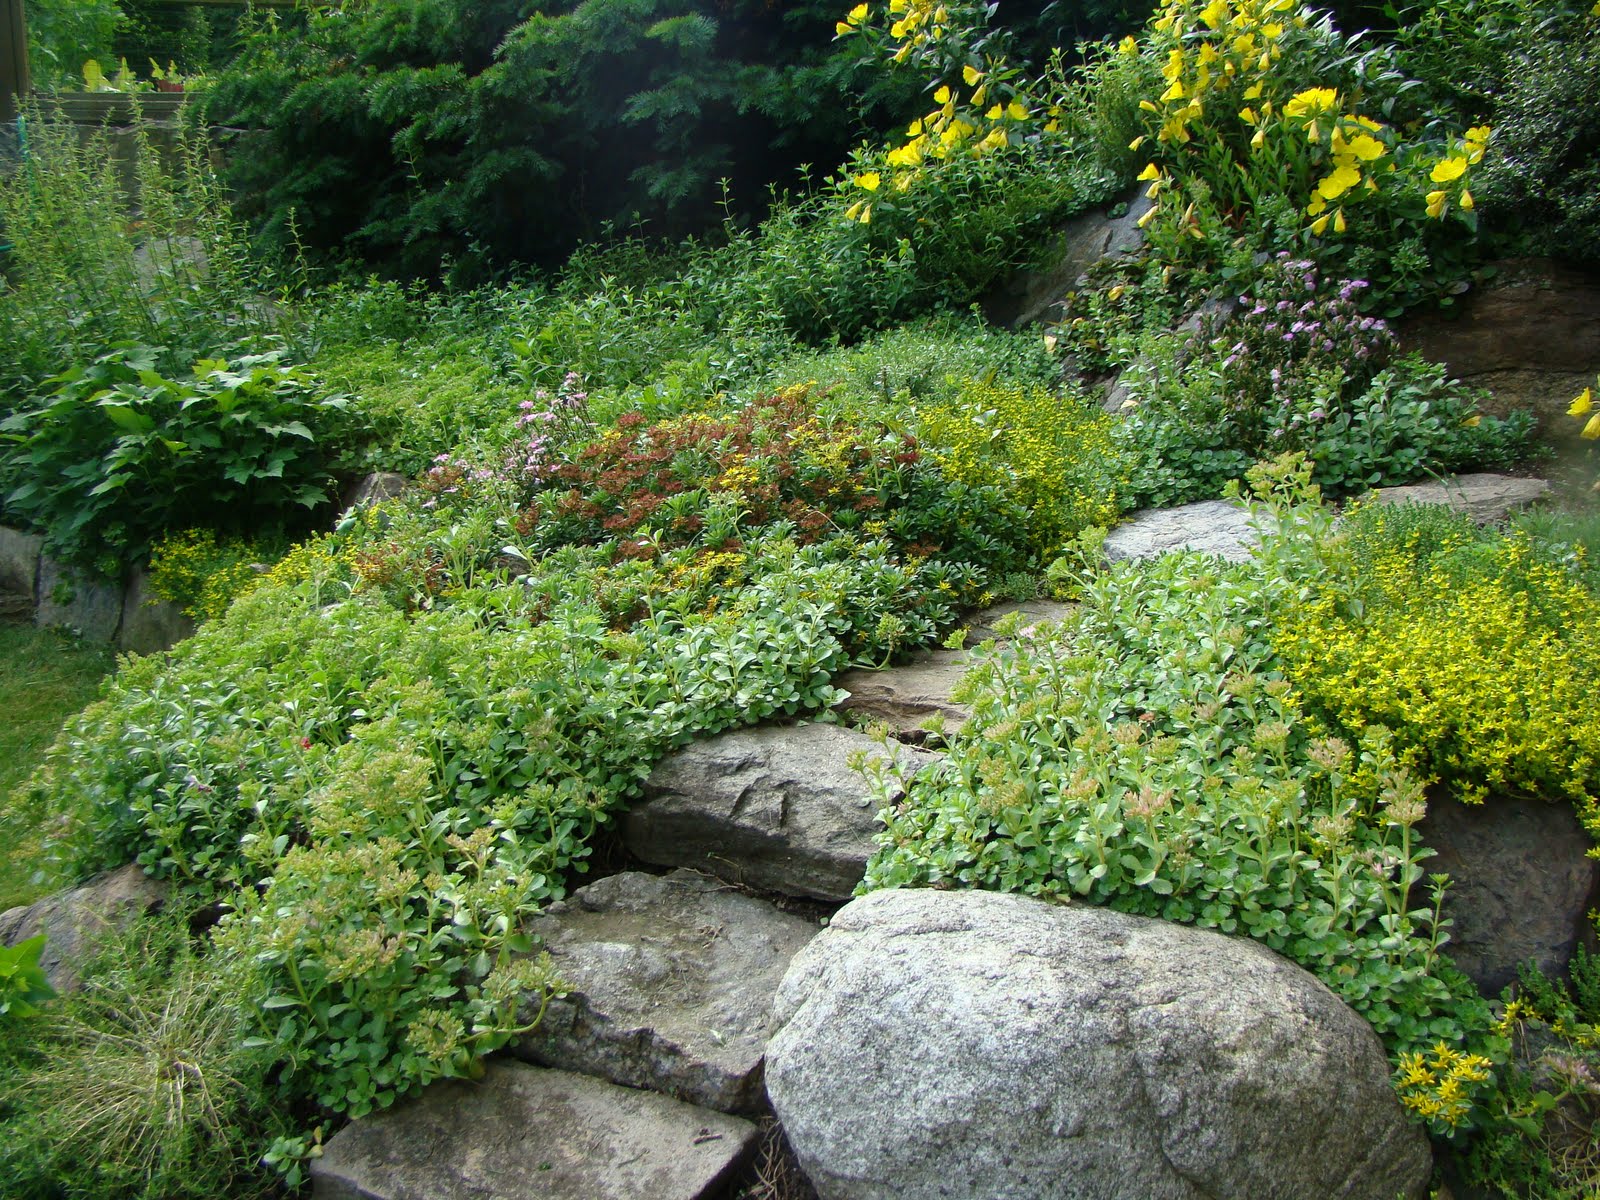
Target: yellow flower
x: 1259, y: 139
x: 915, y: 128
x: 869, y: 180
x: 1466, y: 200
x: 942, y: 96
x: 1016, y: 111
x: 1582, y: 403
x: 1436, y: 203
x: 1321, y: 223
x: 1447, y: 169
x: 1128, y: 46
x: 1338, y: 221
x: 1253, y: 92
x: 1248, y: 116
x: 1138, y: 141
x: 1473, y: 422
x: 1592, y: 429
x: 1150, y: 172
x: 1366, y: 148
x: 996, y: 140
x: 1215, y: 14
x: 994, y: 113
x: 971, y: 75
x: 841, y: 28
x: 858, y: 14
x: 1312, y: 102
x: 1175, y: 92
x: 1342, y: 179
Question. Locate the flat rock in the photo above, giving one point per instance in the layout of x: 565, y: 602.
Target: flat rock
x: 981, y: 626
x: 778, y: 807
x: 1531, y: 336
x: 19, y: 562
x: 671, y: 984
x: 522, y: 1133
x: 949, y: 1044
x: 1521, y: 884
x: 89, y: 608
x: 908, y: 697
x: 71, y: 919
x: 1211, y: 526
x: 150, y: 625
x: 1486, y: 498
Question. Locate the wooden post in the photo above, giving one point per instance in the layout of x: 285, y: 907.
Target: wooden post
x: 15, y: 82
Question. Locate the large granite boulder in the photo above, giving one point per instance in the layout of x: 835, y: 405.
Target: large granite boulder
x: 778, y: 807
x: 522, y: 1133
x: 1531, y: 336
x: 150, y: 624
x: 972, y: 1044
x: 1521, y: 884
x: 70, y: 920
x: 1212, y: 526
x: 671, y: 982
x: 19, y: 562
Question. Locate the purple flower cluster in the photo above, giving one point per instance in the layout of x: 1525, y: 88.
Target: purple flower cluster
x: 551, y: 422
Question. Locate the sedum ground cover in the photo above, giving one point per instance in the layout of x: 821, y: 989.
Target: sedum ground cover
x: 678, y: 488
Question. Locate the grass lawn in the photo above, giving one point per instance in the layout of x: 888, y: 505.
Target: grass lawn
x: 45, y: 677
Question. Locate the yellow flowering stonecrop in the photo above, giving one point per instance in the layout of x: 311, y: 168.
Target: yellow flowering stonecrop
x: 1233, y: 115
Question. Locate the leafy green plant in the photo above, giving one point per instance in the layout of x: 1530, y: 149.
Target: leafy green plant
x: 1148, y: 753
x: 98, y: 259
x: 117, y: 452
x: 64, y: 34
x: 202, y: 575
x: 23, y: 986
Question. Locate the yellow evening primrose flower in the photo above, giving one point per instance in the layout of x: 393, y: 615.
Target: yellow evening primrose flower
x: 869, y: 180
x: 897, y: 30
x: 1312, y: 102
x: 994, y: 113
x: 971, y: 75
x: 1338, y: 221
x: 942, y: 96
x: 1175, y: 92
x: 1215, y: 14
x: 1436, y: 202
x: 1367, y: 148
x: 1248, y: 116
x: 1253, y: 92
x: 841, y: 28
x: 1150, y: 172
x: 1447, y: 169
x: 996, y: 140
x: 1321, y: 223
x: 1128, y: 46
x: 1272, y: 32
x: 854, y: 211
x: 1582, y: 403
x: 1259, y: 139
x: 1466, y: 200
x: 1592, y: 429
x: 1138, y: 141
x: 1016, y: 111
x: 1343, y: 178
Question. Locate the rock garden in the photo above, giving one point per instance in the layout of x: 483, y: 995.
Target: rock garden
x: 1056, y: 661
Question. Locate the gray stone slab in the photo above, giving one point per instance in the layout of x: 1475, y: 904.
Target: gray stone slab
x: 671, y: 984
x: 906, y: 698
x: 70, y: 920
x: 1030, y: 612
x: 523, y: 1133
x: 149, y: 625
x: 67, y: 600
x: 19, y: 562
x: 1211, y: 526
x: 776, y: 807
x: 1486, y: 498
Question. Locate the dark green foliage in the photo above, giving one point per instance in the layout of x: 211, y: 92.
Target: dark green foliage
x: 116, y: 453
x: 421, y: 131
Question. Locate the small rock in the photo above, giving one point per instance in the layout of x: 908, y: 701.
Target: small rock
x: 975, y: 1044
x: 1032, y: 612
x: 67, y: 600
x: 1487, y: 499
x: 19, y: 562
x: 522, y: 1133
x: 1521, y: 884
x: 1211, y: 526
x: 373, y: 489
x: 149, y: 625
x: 774, y: 807
x: 672, y: 980
x: 71, y: 919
